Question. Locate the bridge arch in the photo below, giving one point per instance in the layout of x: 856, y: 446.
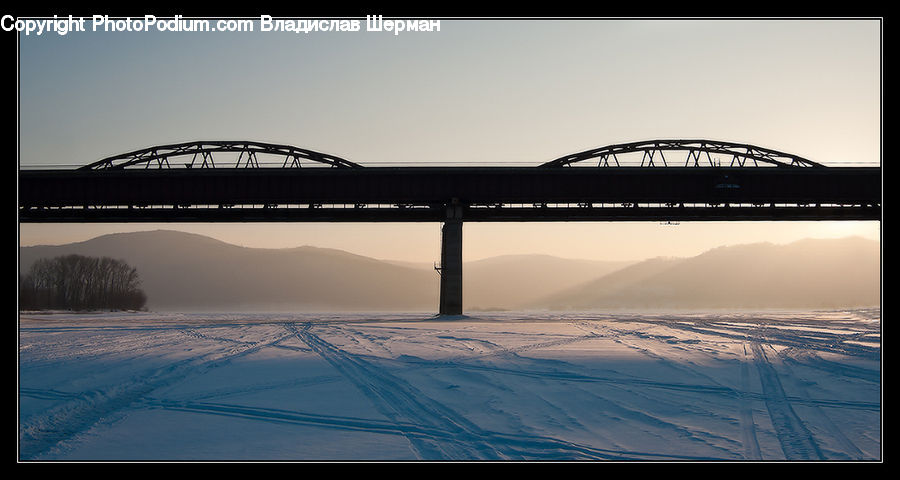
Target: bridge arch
x: 699, y: 153
x: 200, y: 155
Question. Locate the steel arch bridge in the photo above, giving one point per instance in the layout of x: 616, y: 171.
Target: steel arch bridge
x: 698, y: 153
x: 184, y: 183
x: 201, y: 156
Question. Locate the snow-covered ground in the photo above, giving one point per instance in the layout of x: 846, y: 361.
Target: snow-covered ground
x: 498, y: 386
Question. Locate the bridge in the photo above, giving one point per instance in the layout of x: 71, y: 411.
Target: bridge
x: 245, y: 181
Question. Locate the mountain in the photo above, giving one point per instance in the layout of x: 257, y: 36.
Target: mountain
x: 812, y: 273
x: 513, y: 281
x: 510, y: 282
x: 189, y: 272
x: 182, y: 271
x: 605, y: 288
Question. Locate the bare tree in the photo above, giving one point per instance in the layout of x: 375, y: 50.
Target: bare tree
x: 75, y: 282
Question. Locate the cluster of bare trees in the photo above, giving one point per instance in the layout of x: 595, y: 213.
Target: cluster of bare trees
x: 75, y: 282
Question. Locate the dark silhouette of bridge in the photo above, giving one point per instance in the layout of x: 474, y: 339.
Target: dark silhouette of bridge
x: 658, y: 180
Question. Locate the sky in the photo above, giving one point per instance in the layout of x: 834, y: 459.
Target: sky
x: 480, y: 92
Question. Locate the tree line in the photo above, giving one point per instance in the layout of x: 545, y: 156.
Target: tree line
x: 76, y: 282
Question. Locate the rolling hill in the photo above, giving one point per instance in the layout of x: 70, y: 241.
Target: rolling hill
x: 182, y: 271
x: 812, y: 273
x: 189, y: 272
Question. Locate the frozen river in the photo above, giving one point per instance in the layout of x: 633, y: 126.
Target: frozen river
x: 537, y: 386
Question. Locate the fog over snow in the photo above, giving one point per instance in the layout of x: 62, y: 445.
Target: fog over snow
x: 503, y: 386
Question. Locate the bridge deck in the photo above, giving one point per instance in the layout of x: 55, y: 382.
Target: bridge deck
x: 420, y: 194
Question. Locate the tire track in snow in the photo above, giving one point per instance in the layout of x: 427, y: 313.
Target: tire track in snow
x: 46, y: 432
x: 849, y: 448
x: 808, y: 358
x: 620, y: 336
x: 797, y: 442
x: 442, y: 433
x: 292, y: 417
x: 47, y: 394
x: 404, y: 404
x: 635, y: 381
x: 501, y: 350
x: 495, y: 349
x: 792, y: 334
x: 786, y: 331
x: 748, y: 426
x: 548, y: 445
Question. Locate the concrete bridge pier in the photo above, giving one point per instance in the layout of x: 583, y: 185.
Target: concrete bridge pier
x: 451, y: 262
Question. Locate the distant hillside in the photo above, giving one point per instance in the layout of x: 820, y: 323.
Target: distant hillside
x: 606, y: 287
x: 827, y: 273
x: 182, y: 271
x: 513, y: 281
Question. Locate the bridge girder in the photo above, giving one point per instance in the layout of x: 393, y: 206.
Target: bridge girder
x: 429, y: 186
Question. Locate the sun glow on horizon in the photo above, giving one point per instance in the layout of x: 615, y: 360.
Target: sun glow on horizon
x: 420, y: 242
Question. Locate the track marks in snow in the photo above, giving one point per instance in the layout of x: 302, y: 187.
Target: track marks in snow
x: 823, y: 420
x: 812, y: 359
x: 404, y: 404
x: 748, y: 426
x: 440, y: 432
x: 550, y: 447
x: 50, y: 431
x: 797, y: 442
x: 712, y: 384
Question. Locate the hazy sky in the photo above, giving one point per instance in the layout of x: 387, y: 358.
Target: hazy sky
x: 480, y: 92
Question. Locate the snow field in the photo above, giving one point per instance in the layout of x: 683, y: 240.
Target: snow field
x: 500, y: 386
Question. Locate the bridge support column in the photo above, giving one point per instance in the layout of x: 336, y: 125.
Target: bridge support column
x: 451, y: 262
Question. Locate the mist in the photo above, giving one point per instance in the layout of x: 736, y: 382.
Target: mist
x: 188, y: 272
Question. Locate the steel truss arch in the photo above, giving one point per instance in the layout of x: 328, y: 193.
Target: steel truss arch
x: 201, y: 156
x: 699, y: 153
